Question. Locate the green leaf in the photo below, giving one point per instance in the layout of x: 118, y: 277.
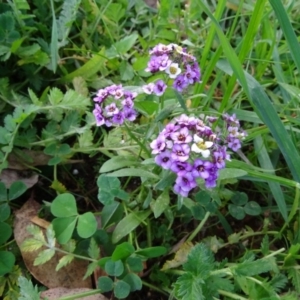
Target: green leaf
x: 152, y: 252
x: 134, y: 281
x: 133, y: 172
x: 27, y: 290
x: 128, y: 224
x: 122, y: 251
x: 200, y: 261
x: 105, y: 284
x: 114, y: 268
x: 111, y: 213
x: 188, y: 287
x: 16, y: 190
x: 94, y: 249
x: 90, y: 269
x: 4, y: 212
x: 64, y: 228
x: 135, y: 264
x: 6, y: 232
x: 252, y: 208
x: 121, y: 289
x: 3, y: 192
x: 87, y: 225
x: 118, y: 162
x: 31, y: 244
x: 236, y: 211
x: 85, y: 139
x: 54, y: 40
x: 89, y: 69
x: 64, y: 205
x: 124, y: 45
x: 65, y: 260
x: 251, y: 268
x: 44, y: 256
x: 229, y: 173
x: 239, y: 198
x: 126, y: 71
x: 7, y: 262
x: 159, y: 205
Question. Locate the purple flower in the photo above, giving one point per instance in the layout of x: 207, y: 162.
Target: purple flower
x: 180, y: 152
x: 201, y: 168
x: 129, y: 95
x: 118, y: 118
x: 180, y: 167
x: 100, y: 120
x: 148, y: 88
x: 164, y: 159
x: 127, y: 103
x: 111, y: 109
x: 169, y: 129
x: 158, y: 145
x: 186, y: 182
x: 159, y: 87
x: 180, y: 83
x: 101, y: 95
x: 182, y: 136
x: 178, y: 190
x: 190, y: 75
x: 234, y: 144
x: 153, y: 64
x: 129, y: 114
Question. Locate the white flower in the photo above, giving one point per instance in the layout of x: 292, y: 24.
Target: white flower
x: 173, y: 70
x: 201, y: 146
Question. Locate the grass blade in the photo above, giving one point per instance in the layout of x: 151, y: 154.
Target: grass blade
x: 288, y: 30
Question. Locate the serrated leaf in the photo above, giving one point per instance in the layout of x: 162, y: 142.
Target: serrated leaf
x: 50, y: 234
x: 36, y: 232
x: 55, y: 96
x: 188, y: 287
x: 85, y: 139
x: 94, y: 249
x: 31, y: 244
x: 65, y: 260
x: 90, y: 269
x: 27, y: 290
x: 44, y: 256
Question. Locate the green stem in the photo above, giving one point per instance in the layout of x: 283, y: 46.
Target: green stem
x: 199, y: 227
x: 80, y: 295
x: 75, y: 255
x: 231, y: 295
x: 149, y: 235
x: 153, y: 287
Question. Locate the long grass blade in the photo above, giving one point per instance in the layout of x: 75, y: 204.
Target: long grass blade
x: 287, y: 30
x: 269, y: 116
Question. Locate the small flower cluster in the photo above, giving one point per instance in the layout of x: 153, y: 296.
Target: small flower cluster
x: 189, y: 148
x: 177, y: 63
x: 114, y: 105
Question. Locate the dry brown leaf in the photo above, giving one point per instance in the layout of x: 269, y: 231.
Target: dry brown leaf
x: 9, y: 176
x: 180, y: 256
x: 25, y: 159
x: 56, y: 293
x: 69, y: 276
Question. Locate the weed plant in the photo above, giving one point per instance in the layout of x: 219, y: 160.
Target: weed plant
x: 183, y: 123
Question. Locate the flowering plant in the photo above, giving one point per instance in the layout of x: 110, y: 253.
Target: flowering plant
x: 188, y: 146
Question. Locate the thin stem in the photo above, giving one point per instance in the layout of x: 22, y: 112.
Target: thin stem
x: 75, y: 255
x: 231, y: 295
x: 199, y: 227
x: 81, y: 295
x: 153, y: 287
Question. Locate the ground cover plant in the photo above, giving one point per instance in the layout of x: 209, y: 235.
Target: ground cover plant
x: 149, y: 152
